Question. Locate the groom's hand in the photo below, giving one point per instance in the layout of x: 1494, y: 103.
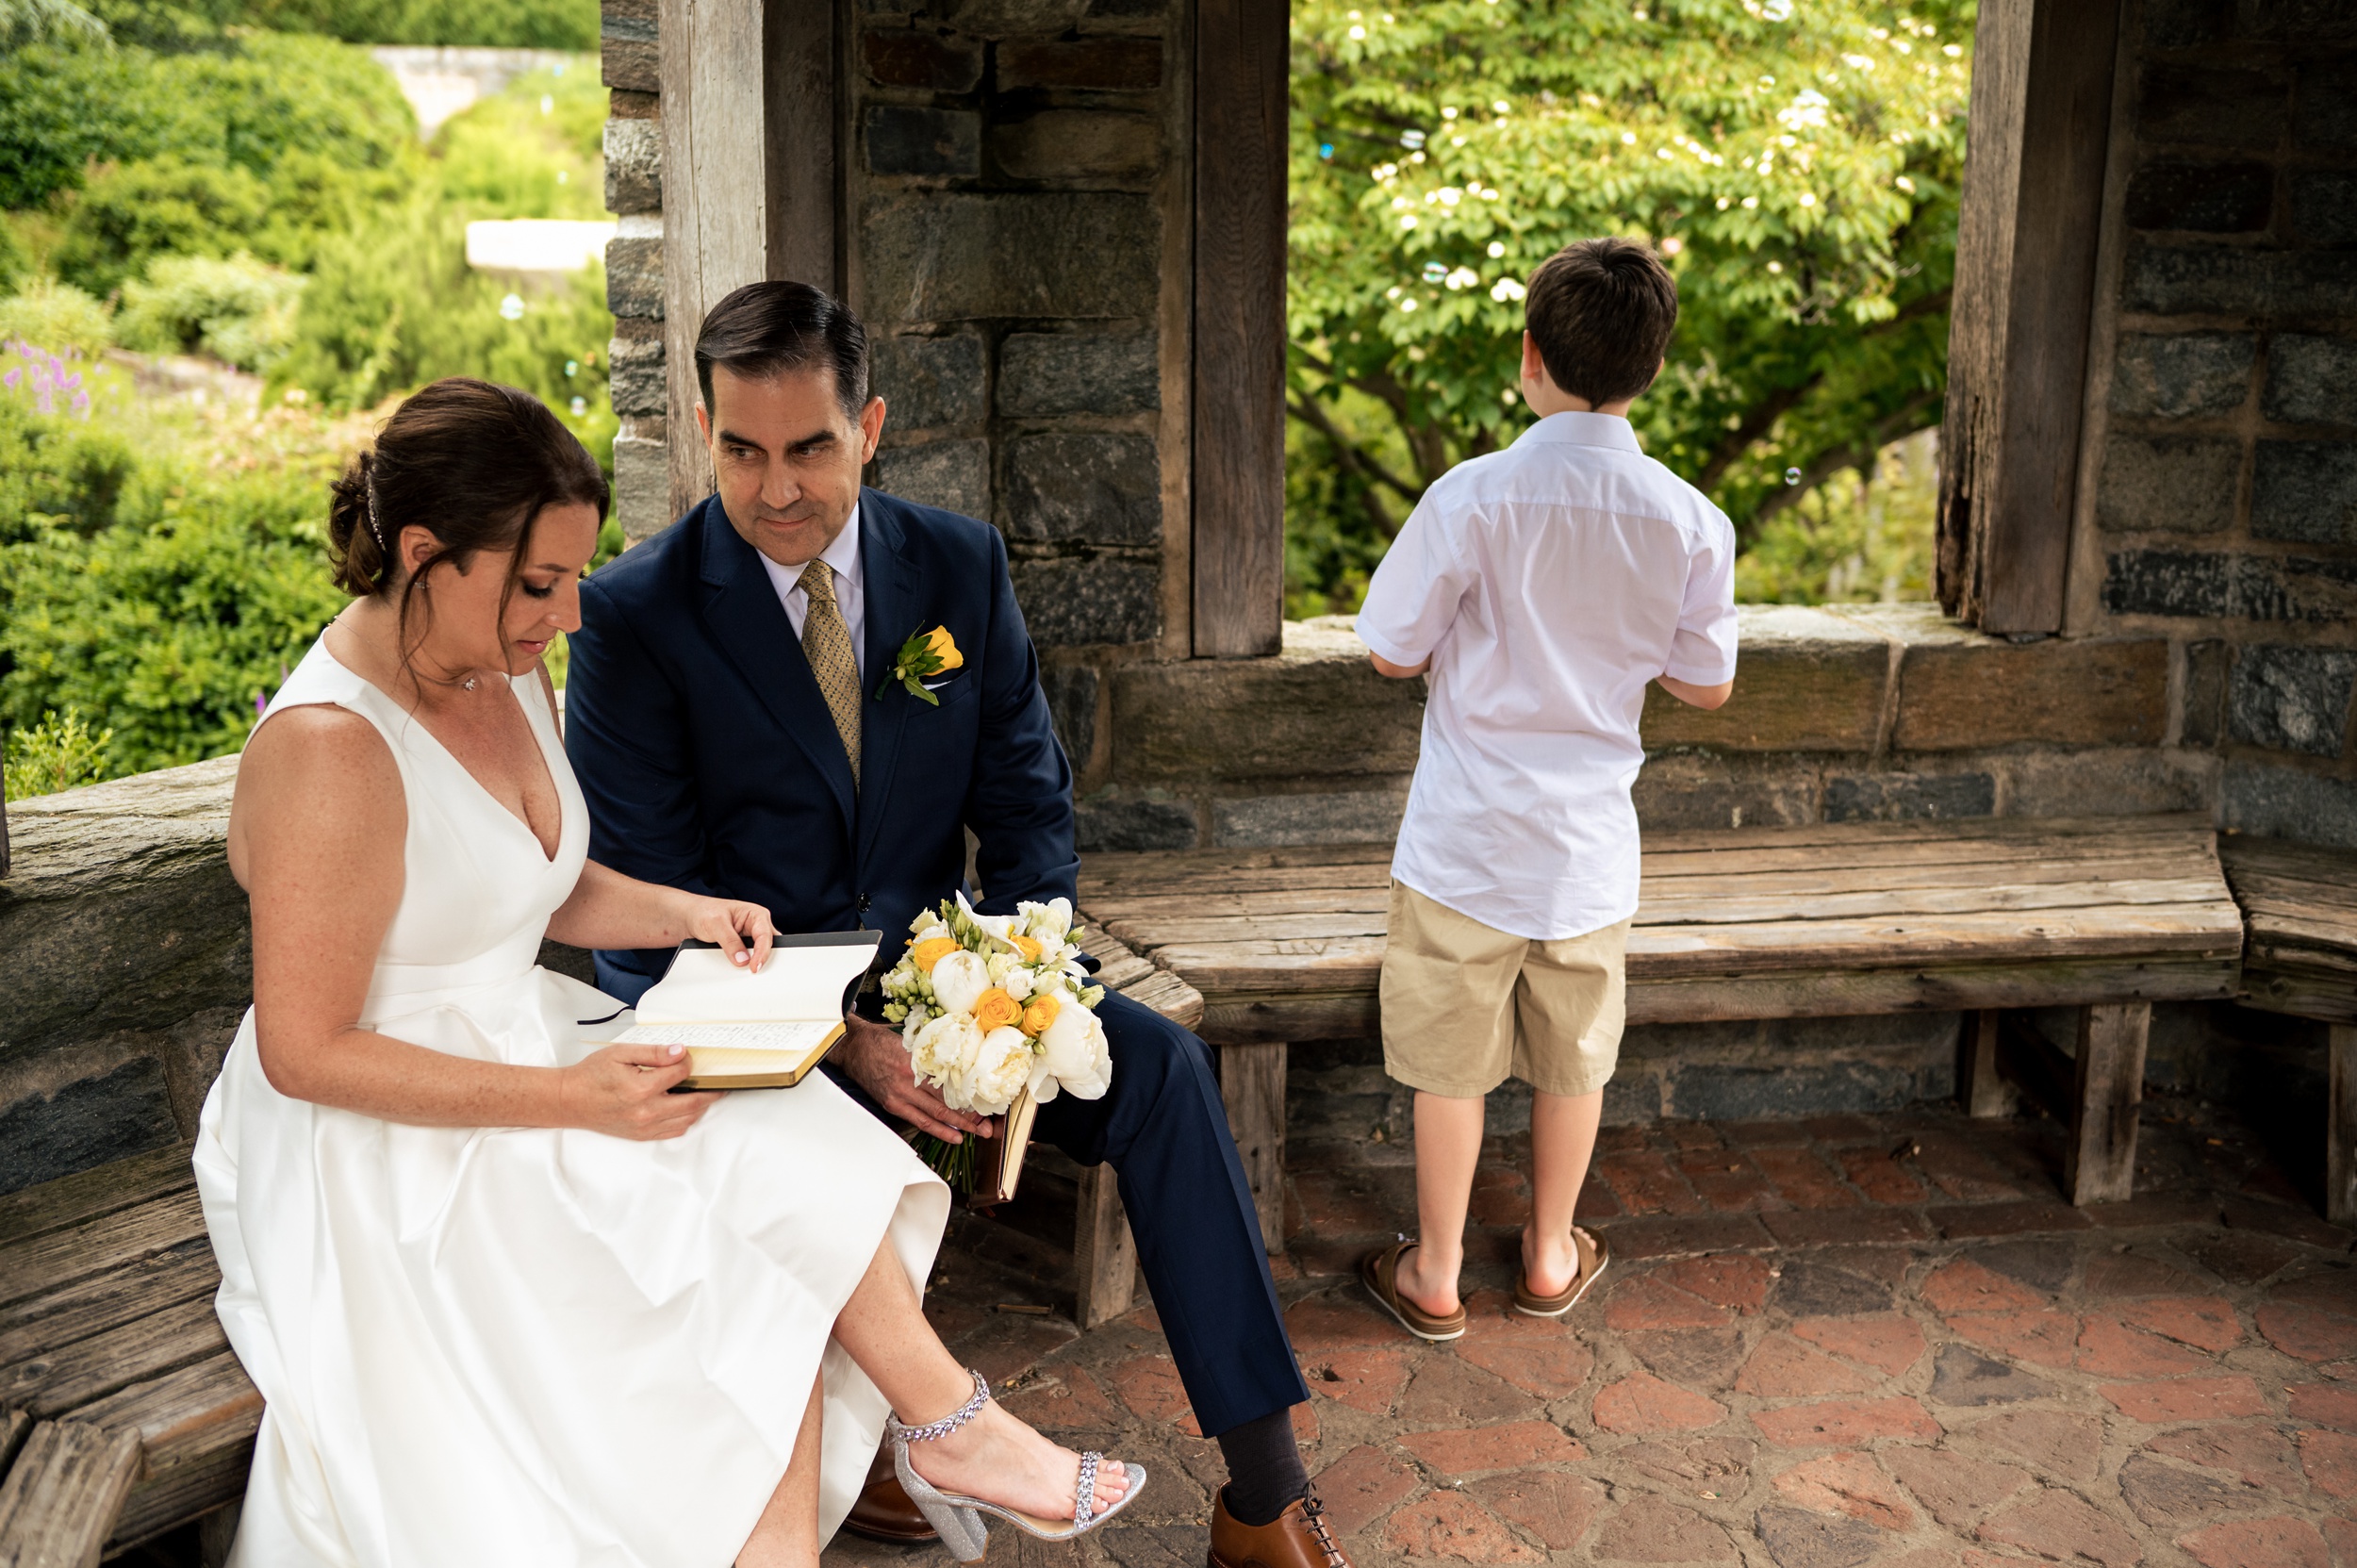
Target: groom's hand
x: 878, y: 1059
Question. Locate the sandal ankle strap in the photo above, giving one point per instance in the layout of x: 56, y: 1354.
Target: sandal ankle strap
x: 956, y: 1418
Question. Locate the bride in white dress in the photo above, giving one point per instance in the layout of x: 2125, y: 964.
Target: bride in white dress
x: 508, y: 1299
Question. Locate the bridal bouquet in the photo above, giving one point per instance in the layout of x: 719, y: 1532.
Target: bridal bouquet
x: 994, y: 1008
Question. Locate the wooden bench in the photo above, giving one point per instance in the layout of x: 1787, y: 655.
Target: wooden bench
x: 2299, y: 956
x: 123, y: 1413
x: 2107, y: 915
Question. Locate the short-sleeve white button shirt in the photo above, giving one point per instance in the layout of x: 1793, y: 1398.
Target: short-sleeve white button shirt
x: 1548, y: 584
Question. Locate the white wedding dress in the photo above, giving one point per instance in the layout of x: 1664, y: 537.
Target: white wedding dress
x: 500, y: 1346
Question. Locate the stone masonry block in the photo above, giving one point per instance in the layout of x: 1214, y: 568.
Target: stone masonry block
x: 2306, y: 22
x: 2181, y: 373
x: 1805, y: 681
x: 1984, y: 692
x: 2312, y: 379
x: 633, y: 277
x: 1101, y: 64
x: 1908, y: 796
x: 642, y: 487
x: 922, y: 59
x: 2167, y: 484
x: 85, y: 1122
x: 2223, y: 584
x: 1352, y: 817
x: 930, y: 383
x: 1126, y: 10
x: 2177, y: 23
x: 2210, y: 105
x: 2204, y: 722
x: 1318, y: 709
x: 1112, y: 820
x: 2172, y: 280
x: 628, y: 45
x: 1044, y: 375
x: 634, y: 375
x: 1078, y: 144
x: 1013, y: 18
x: 634, y: 166
x: 2209, y: 198
x: 2325, y: 111
x: 114, y: 882
x: 1083, y: 601
x: 2108, y: 782
x: 1087, y: 487
x: 1072, y: 690
x: 2284, y: 803
x: 906, y: 138
x: 1719, y: 789
x: 965, y: 255
x: 2292, y: 699
x: 2305, y: 490
x: 952, y: 475
x: 2324, y: 207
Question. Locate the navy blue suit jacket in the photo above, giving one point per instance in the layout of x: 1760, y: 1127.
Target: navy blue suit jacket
x: 711, y: 762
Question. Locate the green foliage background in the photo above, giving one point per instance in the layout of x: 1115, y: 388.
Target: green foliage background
x: 1796, y: 163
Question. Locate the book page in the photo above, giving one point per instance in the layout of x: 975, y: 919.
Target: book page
x: 803, y: 981
x: 787, y: 1039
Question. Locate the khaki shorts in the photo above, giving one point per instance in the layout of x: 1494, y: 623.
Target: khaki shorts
x: 1465, y: 1006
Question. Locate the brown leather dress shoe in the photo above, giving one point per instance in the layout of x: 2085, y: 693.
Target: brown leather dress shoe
x: 1297, y: 1538
x: 883, y: 1511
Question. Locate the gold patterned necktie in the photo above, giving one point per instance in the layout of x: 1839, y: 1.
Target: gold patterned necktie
x: 827, y: 643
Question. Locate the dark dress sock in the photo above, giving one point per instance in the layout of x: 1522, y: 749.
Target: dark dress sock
x: 1265, y: 1475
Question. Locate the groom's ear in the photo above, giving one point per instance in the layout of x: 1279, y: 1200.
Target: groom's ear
x: 871, y: 423
x: 703, y: 423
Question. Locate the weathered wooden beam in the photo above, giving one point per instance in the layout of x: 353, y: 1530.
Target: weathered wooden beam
x: 1104, y: 1255
x: 750, y: 182
x: 58, y: 1502
x: 1241, y: 77
x: 2039, y: 134
x: 1252, y: 1084
x: 2099, y: 1163
x: 1978, y: 1084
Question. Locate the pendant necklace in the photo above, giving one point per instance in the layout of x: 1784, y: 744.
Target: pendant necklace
x: 467, y: 685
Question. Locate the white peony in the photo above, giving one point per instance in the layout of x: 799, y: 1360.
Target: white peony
x: 999, y: 1072
x: 944, y: 1048
x: 918, y: 1016
x: 1075, y: 1050
x: 959, y: 981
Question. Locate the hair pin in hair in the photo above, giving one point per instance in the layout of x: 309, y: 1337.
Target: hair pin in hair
x: 376, y: 529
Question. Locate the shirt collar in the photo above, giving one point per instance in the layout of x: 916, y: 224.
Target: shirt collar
x: 843, y: 555
x: 1575, y: 428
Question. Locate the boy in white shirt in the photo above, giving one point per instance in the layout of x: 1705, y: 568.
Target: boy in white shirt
x: 1543, y: 587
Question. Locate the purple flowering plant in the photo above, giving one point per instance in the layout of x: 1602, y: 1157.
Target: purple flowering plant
x: 47, y: 377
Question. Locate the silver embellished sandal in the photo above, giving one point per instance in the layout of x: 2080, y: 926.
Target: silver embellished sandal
x: 959, y: 1518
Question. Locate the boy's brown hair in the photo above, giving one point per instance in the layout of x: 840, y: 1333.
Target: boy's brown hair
x: 1600, y: 312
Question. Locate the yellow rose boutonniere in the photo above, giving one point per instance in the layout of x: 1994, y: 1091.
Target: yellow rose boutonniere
x: 932, y: 652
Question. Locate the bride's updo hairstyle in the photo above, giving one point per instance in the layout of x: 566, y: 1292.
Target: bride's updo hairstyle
x: 472, y: 463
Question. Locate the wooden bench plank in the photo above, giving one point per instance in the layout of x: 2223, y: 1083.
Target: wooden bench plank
x: 85, y: 1196
x: 188, y: 1415
x: 58, y: 1502
x: 105, y: 1301
x: 44, y: 1263
x: 64, y: 1380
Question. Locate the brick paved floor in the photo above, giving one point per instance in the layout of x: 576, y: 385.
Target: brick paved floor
x: 1829, y: 1344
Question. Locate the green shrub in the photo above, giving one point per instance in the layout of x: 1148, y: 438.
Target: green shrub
x: 237, y: 310
x: 507, y: 24
x: 157, y: 206
x: 55, y: 316
x: 16, y: 263
x: 57, y: 753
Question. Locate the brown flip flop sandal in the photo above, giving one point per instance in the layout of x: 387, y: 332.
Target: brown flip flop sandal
x: 1379, y: 1273
x: 1593, y: 1255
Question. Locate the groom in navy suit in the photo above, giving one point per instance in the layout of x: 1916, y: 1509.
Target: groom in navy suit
x: 731, y: 714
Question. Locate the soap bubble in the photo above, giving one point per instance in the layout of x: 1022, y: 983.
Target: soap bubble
x: 1791, y: 476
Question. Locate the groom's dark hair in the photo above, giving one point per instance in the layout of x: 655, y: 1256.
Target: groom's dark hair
x: 766, y: 329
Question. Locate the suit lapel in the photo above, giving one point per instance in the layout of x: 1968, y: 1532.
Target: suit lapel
x: 890, y: 586
x: 741, y: 607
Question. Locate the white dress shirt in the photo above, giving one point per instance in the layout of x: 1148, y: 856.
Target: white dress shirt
x: 842, y: 557
x: 1548, y: 584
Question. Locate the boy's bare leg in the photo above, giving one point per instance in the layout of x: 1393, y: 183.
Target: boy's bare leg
x: 786, y: 1535
x: 1448, y: 1148
x: 1563, y: 1141
x: 994, y: 1456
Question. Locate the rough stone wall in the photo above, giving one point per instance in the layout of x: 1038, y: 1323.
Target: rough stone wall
x: 634, y: 264
x: 2218, y: 506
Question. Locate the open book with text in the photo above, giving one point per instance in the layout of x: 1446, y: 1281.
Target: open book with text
x: 746, y: 1030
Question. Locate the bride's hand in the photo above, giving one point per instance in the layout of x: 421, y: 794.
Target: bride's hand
x: 742, y: 930
x: 625, y: 1092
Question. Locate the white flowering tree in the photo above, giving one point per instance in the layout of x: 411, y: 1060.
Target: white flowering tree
x: 1795, y: 161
